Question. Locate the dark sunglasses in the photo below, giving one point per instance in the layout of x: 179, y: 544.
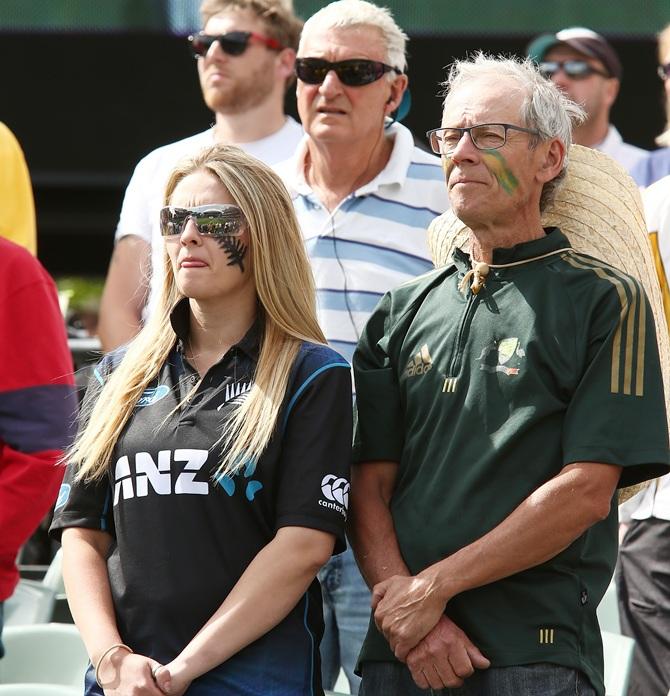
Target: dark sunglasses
x: 574, y: 69
x: 217, y: 220
x: 663, y: 71
x: 234, y: 43
x: 353, y: 73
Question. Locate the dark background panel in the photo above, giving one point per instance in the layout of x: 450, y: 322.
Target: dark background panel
x: 86, y: 107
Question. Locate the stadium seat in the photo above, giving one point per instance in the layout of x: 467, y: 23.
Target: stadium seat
x: 618, y: 654
x: 33, y: 601
x: 43, y: 654
x: 39, y: 690
x: 608, y: 611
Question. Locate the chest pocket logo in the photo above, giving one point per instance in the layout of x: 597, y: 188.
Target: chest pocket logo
x: 502, y: 356
x: 151, y: 396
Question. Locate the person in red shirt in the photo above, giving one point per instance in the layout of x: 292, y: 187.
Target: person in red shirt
x: 38, y: 403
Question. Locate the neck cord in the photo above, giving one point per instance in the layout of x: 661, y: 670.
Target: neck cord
x: 480, y: 270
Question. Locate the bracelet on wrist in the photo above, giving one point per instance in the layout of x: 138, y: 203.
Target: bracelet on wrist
x: 104, y: 655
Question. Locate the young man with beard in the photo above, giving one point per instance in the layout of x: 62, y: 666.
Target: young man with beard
x: 245, y: 56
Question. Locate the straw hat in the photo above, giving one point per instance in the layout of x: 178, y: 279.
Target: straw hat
x: 598, y: 208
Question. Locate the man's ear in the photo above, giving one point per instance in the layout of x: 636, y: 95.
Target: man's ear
x: 285, y: 63
x: 398, y: 87
x: 551, y: 163
x: 611, y: 91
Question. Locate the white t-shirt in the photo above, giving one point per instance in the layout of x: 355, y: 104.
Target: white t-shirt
x: 145, y: 193
x: 654, y: 501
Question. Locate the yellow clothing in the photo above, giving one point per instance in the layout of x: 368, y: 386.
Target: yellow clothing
x: 656, y: 199
x: 17, y: 208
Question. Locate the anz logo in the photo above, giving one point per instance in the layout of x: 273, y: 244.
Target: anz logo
x: 151, y: 396
x: 135, y: 481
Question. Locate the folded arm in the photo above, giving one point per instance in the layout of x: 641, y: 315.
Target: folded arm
x: 90, y: 599
x: 446, y: 655
x: 267, y: 591
x: 542, y: 526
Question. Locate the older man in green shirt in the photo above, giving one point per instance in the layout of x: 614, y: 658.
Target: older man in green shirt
x: 501, y: 402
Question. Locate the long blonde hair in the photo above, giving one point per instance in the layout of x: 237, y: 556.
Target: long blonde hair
x: 285, y: 291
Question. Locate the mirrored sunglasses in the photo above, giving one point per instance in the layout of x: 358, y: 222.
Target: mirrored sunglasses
x: 353, y: 73
x: 234, y: 43
x: 216, y: 220
x: 574, y: 69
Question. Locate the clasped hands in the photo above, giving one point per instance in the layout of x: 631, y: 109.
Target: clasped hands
x: 410, y: 614
x: 142, y: 676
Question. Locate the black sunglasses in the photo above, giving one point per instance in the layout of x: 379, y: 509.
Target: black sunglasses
x: 234, y: 43
x: 663, y: 71
x: 353, y: 73
x: 574, y: 69
x: 216, y: 220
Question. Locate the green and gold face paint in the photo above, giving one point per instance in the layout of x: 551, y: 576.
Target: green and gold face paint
x: 497, y: 164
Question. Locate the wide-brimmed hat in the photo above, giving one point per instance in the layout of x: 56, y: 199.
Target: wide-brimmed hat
x: 598, y: 208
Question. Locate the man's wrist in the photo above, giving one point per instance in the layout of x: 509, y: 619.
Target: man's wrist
x: 440, y: 580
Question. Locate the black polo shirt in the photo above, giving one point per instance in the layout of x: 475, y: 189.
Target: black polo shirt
x: 182, y: 537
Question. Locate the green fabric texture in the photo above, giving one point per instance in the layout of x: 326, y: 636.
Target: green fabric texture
x: 483, y: 398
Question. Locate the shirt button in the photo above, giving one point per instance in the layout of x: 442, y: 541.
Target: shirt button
x: 584, y: 597
x: 194, y: 379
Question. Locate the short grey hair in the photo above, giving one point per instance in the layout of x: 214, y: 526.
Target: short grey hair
x: 544, y: 108
x: 354, y: 13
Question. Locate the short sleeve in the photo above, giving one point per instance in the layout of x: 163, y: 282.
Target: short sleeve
x: 87, y: 504
x: 82, y: 504
x: 617, y: 412
x: 379, y: 422
x: 136, y: 208
x: 316, y: 430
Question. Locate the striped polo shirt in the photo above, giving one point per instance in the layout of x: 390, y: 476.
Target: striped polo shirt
x: 374, y: 240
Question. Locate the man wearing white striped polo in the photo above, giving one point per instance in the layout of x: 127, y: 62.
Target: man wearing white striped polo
x: 364, y: 196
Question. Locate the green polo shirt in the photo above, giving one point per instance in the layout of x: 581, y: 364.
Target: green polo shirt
x: 483, y: 398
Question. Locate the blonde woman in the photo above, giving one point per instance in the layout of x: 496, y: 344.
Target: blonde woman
x: 210, y: 482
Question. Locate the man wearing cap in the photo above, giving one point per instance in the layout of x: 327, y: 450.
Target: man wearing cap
x: 245, y: 59
x: 364, y: 196
x: 586, y: 67
x: 482, y: 488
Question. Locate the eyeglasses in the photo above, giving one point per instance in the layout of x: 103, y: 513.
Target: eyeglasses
x: 574, y: 69
x: 355, y: 72
x: 234, y: 43
x: 663, y: 71
x: 216, y: 220
x: 485, y: 136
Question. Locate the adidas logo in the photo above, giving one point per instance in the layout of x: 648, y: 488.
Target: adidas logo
x: 235, y: 393
x: 420, y: 363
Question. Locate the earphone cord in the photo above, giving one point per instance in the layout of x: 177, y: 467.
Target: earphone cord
x: 344, y: 277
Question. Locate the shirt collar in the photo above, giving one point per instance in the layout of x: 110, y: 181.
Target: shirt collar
x: 395, y: 171
x: 180, y: 318
x: 553, y: 240
x: 612, y: 139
